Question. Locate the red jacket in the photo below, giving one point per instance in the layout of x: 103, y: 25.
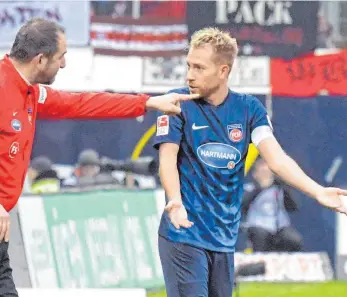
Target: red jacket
x: 21, y: 104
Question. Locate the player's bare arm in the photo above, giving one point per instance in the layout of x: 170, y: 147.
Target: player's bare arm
x: 286, y: 168
x: 171, y: 183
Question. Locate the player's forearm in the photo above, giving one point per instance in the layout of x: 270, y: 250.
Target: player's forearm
x: 169, y: 178
x: 293, y: 175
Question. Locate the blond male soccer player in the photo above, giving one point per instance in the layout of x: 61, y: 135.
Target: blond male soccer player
x: 202, y: 155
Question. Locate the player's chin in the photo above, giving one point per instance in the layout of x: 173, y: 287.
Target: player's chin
x: 193, y: 90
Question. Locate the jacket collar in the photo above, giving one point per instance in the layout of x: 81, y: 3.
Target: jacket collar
x: 23, y: 85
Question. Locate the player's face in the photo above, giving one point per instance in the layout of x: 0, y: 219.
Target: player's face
x: 205, y: 75
x: 50, y: 66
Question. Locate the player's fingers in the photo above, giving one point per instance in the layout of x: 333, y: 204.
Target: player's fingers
x: 184, y: 97
x: 176, y: 225
x: 342, y: 209
x: 186, y: 224
x: 342, y: 193
x: 7, y: 233
x: 174, y: 110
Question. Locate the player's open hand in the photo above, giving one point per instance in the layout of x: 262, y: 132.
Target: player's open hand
x: 333, y: 198
x: 4, y: 224
x: 178, y: 214
x: 169, y: 103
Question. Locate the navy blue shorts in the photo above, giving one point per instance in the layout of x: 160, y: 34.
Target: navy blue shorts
x: 195, y: 272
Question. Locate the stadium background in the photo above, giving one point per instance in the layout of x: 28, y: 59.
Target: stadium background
x: 59, y: 242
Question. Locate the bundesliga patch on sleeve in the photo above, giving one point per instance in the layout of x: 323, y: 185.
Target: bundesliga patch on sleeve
x: 163, y: 125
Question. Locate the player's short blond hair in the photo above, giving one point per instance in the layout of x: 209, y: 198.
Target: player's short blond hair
x: 224, y: 44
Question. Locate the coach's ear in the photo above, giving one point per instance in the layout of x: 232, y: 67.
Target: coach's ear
x: 40, y: 61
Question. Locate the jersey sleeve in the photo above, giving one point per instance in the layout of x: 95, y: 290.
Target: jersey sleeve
x: 260, y: 123
x: 53, y: 104
x: 169, y: 129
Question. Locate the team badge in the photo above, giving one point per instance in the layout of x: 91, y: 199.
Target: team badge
x: 235, y: 132
x: 16, y: 125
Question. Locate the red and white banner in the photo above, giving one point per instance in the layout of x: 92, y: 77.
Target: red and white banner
x: 310, y: 75
x: 126, y: 36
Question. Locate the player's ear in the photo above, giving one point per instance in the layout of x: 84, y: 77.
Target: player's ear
x: 224, y: 71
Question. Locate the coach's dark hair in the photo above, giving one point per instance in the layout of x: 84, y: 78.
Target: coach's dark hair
x: 37, y: 36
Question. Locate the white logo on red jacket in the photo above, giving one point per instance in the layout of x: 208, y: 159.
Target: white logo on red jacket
x: 43, y: 94
x: 14, y: 150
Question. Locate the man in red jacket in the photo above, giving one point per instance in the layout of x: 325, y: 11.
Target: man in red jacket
x: 36, y: 56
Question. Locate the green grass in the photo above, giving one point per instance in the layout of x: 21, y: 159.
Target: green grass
x: 329, y: 289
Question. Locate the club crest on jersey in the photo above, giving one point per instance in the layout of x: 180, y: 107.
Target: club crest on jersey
x: 235, y: 132
x: 16, y: 125
x: 13, y: 150
x: 163, y: 125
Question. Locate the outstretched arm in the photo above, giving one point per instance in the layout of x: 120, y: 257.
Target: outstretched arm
x: 286, y: 168
x: 55, y: 104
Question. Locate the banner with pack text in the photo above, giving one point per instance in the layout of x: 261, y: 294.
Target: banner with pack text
x: 74, y: 16
x: 309, y: 76
x: 146, y: 36
x: 270, y: 28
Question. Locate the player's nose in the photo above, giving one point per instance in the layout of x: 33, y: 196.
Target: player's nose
x: 189, y: 76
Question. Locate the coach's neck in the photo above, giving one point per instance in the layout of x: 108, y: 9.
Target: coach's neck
x: 25, y: 70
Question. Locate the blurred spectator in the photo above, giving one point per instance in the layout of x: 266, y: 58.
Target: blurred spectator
x: 266, y: 204
x: 43, y: 178
x: 325, y: 36
x: 91, y: 171
x: 87, y: 168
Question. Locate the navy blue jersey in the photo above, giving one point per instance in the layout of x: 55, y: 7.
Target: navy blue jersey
x: 213, y: 144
